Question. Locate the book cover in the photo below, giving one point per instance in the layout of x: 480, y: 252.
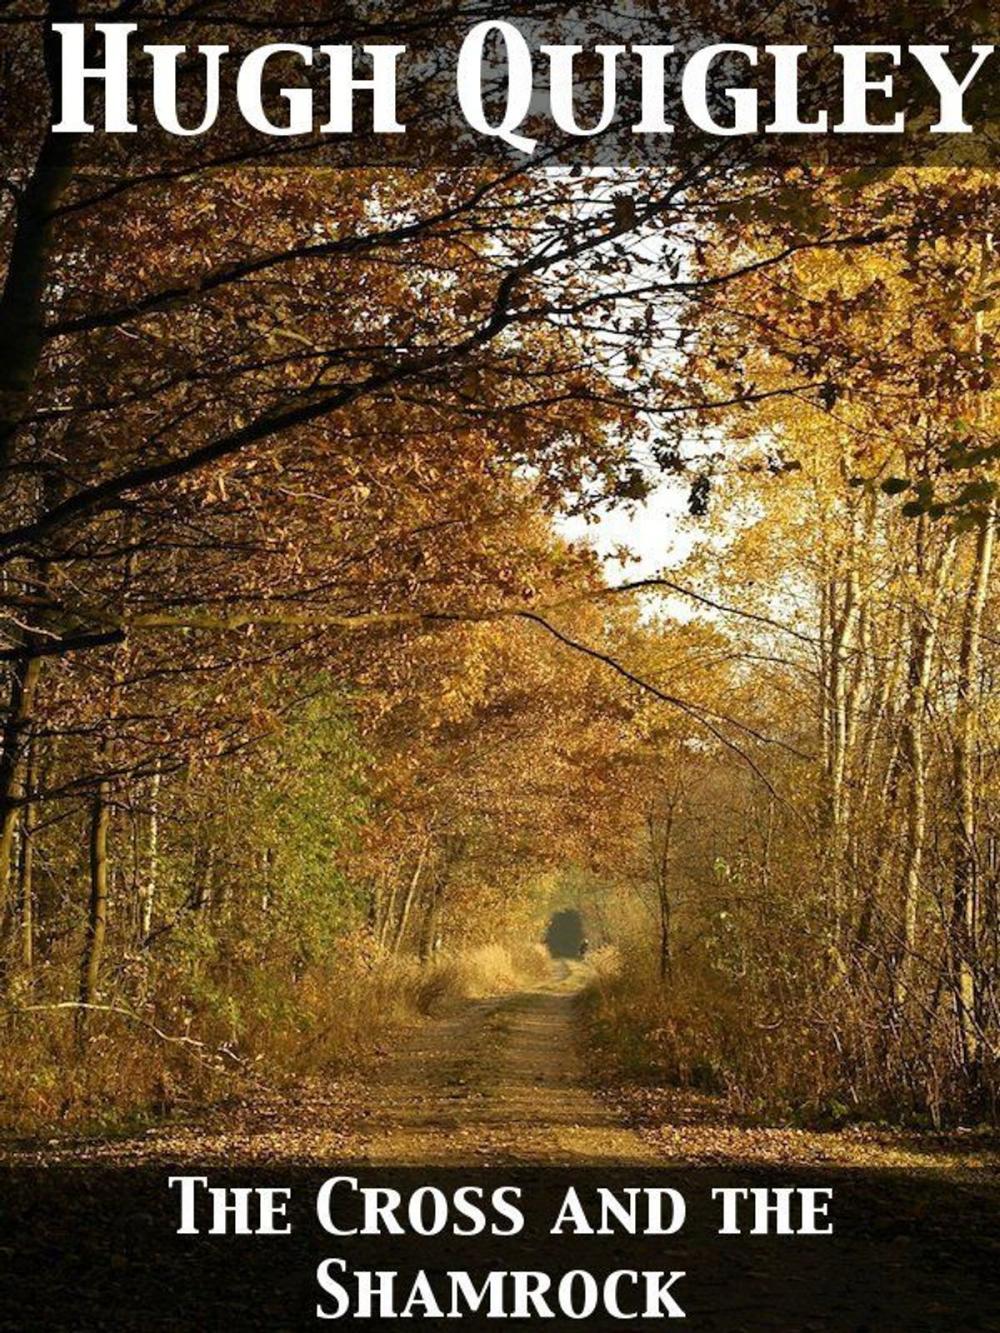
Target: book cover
x: 499, y: 623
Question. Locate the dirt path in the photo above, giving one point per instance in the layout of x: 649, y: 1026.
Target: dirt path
x: 500, y: 1082
x: 498, y: 1092
x: 503, y: 1085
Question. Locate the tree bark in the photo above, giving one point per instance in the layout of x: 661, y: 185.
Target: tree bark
x: 387, y: 912
x: 432, y: 916
x: 27, y: 888
x: 661, y: 871
x: 97, y: 914
x: 965, y: 875
x: 100, y: 820
x: 404, y: 915
x: 148, y: 891
x: 204, y: 894
x: 914, y: 750
x: 24, y: 683
x: 22, y: 324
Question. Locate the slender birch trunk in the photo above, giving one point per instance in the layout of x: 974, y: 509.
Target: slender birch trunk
x: 914, y: 751
x: 843, y: 705
x: 662, y: 848
x: 404, y: 915
x: 97, y: 915
x: 965, y: 877
x: 432, y: 915
x: 27, y: 887
x: 148, y: 891
x: 100, y: 822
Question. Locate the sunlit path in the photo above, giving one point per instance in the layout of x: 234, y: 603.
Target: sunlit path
x: 501, y: 1082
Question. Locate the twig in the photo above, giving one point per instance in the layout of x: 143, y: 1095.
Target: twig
x: 192, y: 1044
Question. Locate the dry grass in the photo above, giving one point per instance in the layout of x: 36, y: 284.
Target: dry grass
x: 183, y: 1035
x: 778, y: 1049
x: 490, y: 969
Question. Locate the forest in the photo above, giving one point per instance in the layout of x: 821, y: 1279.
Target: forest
x: 315, y: 700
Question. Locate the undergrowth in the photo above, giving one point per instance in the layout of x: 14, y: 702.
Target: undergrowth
x: 171, y: 1039
x: 778, y: 1050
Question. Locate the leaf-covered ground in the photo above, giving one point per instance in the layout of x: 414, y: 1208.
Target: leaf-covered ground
x: 505, y: 1080
x: 493, y: 1092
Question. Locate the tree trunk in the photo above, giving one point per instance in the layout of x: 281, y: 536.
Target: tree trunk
x: 147, y: 895
x: 27, y: 888
x: 97, y: 914
x: 661, y: 850
x: 843, y: 691
x: 387, y: 916
x: 404, y: 915
x: 965, y: 873
x: 267, y: 875
x: 664, y: 957
x: 205, y: 884
x: 22, y: 323
x: 24, y: 682
x: 965, y: 876
x: 100, y: 819
x: 914, y: 750
x: 432, y: 916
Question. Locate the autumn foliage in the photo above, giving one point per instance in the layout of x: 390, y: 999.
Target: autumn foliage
x: 307, y: 689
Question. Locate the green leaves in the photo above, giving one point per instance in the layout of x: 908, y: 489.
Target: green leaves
x: 927, y: 499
